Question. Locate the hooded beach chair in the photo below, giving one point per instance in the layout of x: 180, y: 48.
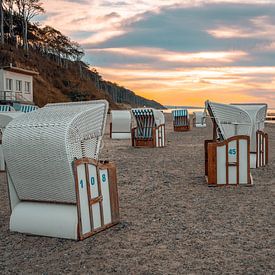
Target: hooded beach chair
x: 258, y: 138
x: 6, y: 108
x: 57, y: 186
x: 227, y: 158
x: 181, y: 121
x: 5, y: 118
x: 27, y: 108
x: 199, y: 119
x: 120, y: 127
x: 150, y: 128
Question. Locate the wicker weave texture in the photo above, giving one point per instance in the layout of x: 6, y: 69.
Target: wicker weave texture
x: 257, y: 113
x: 7, y: 117
x: 231, y: 120
x: 39, y: 148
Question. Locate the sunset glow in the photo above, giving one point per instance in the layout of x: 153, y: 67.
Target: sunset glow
x: 176, y: 52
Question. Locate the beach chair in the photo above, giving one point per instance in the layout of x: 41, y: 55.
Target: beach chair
x: 5, y: 118
x: 150, y: 128
x: 27, y: 108
x: 181, y: 121
x: 120, y: 127
x: 57, y: 186
x: 258, y: 138
x: 6, y: 108
x: 227, y: 158
x: 199, y: 119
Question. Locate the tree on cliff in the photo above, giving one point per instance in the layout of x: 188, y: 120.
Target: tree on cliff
x: 27, y: 9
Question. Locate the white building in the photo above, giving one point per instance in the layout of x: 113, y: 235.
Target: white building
x: 16, y: 84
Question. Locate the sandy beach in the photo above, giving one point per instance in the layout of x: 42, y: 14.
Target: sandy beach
x: 171, y: 221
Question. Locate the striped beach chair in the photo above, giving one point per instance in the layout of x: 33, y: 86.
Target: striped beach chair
x: 150, y: 128
x: 120, y: 126
x: 6, y: 108
x: 27, y: 108
x: 258, y: 138
x: 227, y: 156
x: 57, y: 185
x: 181, y: 121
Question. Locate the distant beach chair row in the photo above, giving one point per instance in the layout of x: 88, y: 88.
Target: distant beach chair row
x: 57, y: 185
x: 149, y: 130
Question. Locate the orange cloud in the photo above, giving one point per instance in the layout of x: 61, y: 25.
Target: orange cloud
x: 176, y: 56
x: 192, y: 86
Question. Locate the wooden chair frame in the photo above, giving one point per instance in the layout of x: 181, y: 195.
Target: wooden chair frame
x: 87, y: 182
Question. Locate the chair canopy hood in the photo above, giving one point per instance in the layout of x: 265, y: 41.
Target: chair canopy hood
x: 257, y: 113
x: 230, y: 120
x: 39, y: 148
x: 121, y: 120
x: 157, y: 115
x: 199, y: 115
x: 7, y: 117
x: 180, y: 112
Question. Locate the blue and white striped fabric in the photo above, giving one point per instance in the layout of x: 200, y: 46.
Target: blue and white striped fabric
x: 6, y: 108
x: 180, y: 117
x: 145, y: 122
x: 28, y: 108
x: 182, y: 112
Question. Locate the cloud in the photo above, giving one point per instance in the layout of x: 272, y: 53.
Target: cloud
x: 177, y: 50
x: 257, y: 27
x: 163, y: 55
x: 222, y: 84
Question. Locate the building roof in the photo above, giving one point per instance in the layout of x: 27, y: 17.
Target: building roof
x: 19, y: 70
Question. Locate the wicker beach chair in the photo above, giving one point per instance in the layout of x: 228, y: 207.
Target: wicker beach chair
x: 150, y: 128
x: 52, y: 166
x: 227, y: 158
x: 258, y: 138
x: 199, y: 120
x: 181, y: 121
x: 5, y: 118
x: 120, y: 127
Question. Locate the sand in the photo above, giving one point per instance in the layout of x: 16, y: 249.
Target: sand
x: 171, y: 221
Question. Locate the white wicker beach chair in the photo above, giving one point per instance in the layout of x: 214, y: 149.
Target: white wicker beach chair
x: 181, y: 121
x: 230, y: 120
x: 258, y: 139
x: 5, y: 119
x: 150, y: 128
x: 199, y: 119
x: 120, y: 127
x: 40, y: 148
x: 227, y: 158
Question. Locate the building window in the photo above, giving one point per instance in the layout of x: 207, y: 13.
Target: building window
x: 18, y: 85
x: 27, y: 87
x: 8, y: 84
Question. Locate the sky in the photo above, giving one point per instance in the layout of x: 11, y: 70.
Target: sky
x: 176, y: 52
